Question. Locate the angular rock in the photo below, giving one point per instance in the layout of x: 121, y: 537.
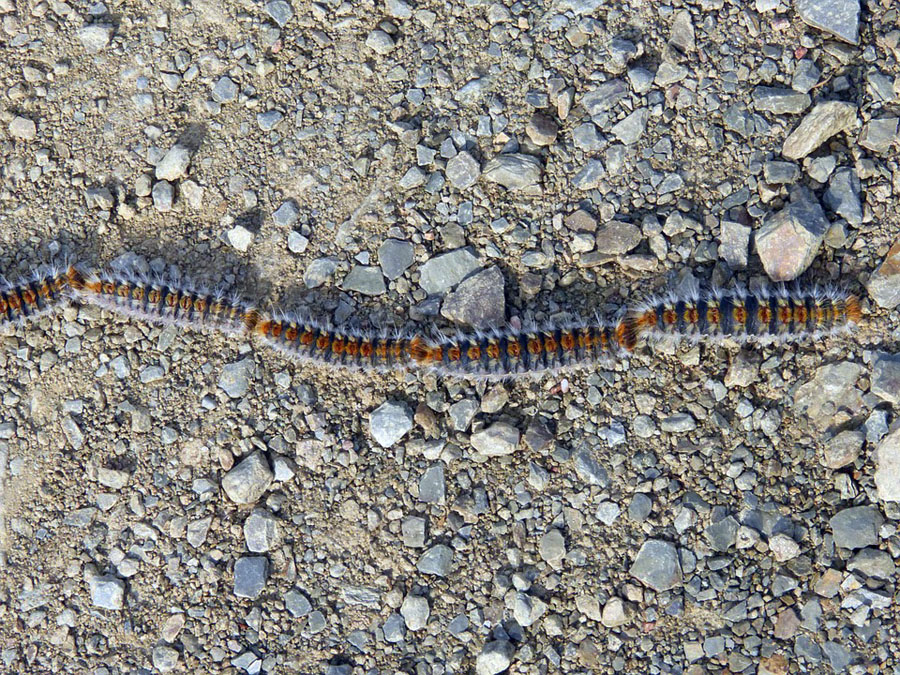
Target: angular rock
x: 806, y: 76
x: 604, y: 97
x: 364, y: 279
x: 589, y: 176
x: 498, y: 439
x: 297, y: 604
x: 225, y: 90
x: 247, y: 481
x: 842, y: 195
x: 617, y: 237
x: 443, y: 272
x: 884, y: 284
x: 788, y: 240
x: 495, y: 657
x: 395, y: 257
x: 174, y: 163
x: 832, y: 389
x: 107, y: 592
x: 415, y: 612
x: 878, y: 135
x: 432, y: 487
x: 722, y: 534
x: 479, y: 301
x: 886, y: 377
x: 838, y: 17
x: 630, y: 129
x: 734, y: 244
x: 616, y: 613
x: 390, y: 422
x: 250, y: 575
x: 541, y: 129
x: 657, y: 565
x: 553, y: 547
x: 286, y: 214
x: 22, y: 128
x: 887, y: 472
x: 780, y: 101
x: 514, y: 171
x: 462, y: 170
x: 95, y: 36
x: 261, y: 531
x: 843, y: 449
x: 856, y: 527
x: 873, y: 562
x: 820, y: 124
x: 436, y: 561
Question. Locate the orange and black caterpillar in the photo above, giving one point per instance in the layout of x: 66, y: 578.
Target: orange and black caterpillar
x: 763, y: 314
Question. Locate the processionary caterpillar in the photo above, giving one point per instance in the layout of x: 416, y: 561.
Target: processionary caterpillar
x: 763, y: 314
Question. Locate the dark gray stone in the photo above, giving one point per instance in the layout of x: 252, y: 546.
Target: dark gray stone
x: 432, y: 487
x: 722, y: 535
x: 838, y: 17
x: 436, y: 561
x: 250, y: 575
x: 514, y: 171
x: 443, y: 272
x: 856, y: 527
x: 657, y: 565
x: 479, y: 301
x: 780, y: 101
x: 842, y: 195
x: 364, y: 279
x: 395, y: 257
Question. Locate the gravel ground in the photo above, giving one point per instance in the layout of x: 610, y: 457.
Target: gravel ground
x: 180, y: 502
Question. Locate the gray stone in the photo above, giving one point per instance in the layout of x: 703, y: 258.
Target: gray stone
x: 479, y: 301
x: 553, y: 547
x: 395, y: 257
x: 390, y: 422
x: 235, y: 377
x: 528, y: 609
x: 240, y: 238
x: 640, y: 507
x: 589, y: 470
x: 250, y: 575
x: 590, y: 175
x: 722, y: 534
x: 842, y: 195
x: 604, y: 97
x: 261, y: 531
x: 657, y: 565
x: 174, y: 163
x: 436, y: 561
x: 513, y: 171
x: 248, y: 480
x: 297, y: 604
x: 734, y: 244
x: 541, y: 129
x: 462, y: 413
x: 838, y: 656
x: 821, y: 123
x: 380, y: 42
x: 495, y: 657
x: 432, y: 487
x: 843, y: 449
x: 412, y: 531
x: 316, y: 622
x: 856, y: 527
x: 884, y: 284
x: 393, y: 628
x: 269, y: 119
x: 286, y: 214
x: 669, y: 73
x: 887, y: 472
x: 296, y: 242
x: 806, y: 76
x: 679, y: 423
x: 788, y: 240
x: 780, y: 173
x: 225, y: 90
x: 608, y: 512
x: 415, y: 612
x: 319, y: 271
x: 107, y: 592
x: 95, y: 37
x: 197, y: 530
x: 586, y: 138
x: 165, y: 658
x: 833, y: 388
x: 364, y: 279
x: 280, y: 11
x: 473, y: 91
x: 838, y: 17
x: 878, y: 135
x: 413, y: 178
x: 780, y: 101
x: 112, y: 478
x: 22, y: 128
x: 163, y: 196
x: 398, y: 9
x: 873, y: 562
x: 443, y: 272
x: 498, y: 439
x: 617, y: 237
x: 462, y: 170
x: 630, y: 129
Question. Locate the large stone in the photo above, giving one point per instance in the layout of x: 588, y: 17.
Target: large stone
x: 886, y: 377
x: 498, y: 439
x: 436, y: 561
x: 604, y: 97
x: 843, y: 449
x: 174, y: 163
x: 822, y: 122
x: 247, y: 481
x: 443, y: 272
x: 856, y: 527
x: 390, y: 422
x: 884, y: 284
x: 838, y: 17
x: 657, y: 565
x: 462, y: 170
x: 617, y: 237
x: 479, y: 301
x: 235, y: 377
x: 250, y: 575
x: 788, y: 240
x: 780, y: 101
x: 842, y: 195
x: 495, y: 657
x: 832, y: 390
x: 514, y: 171
x: 364, y: 279
x: 887, y: 472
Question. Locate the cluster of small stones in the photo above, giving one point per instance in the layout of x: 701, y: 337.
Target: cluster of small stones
x: 174, y: 502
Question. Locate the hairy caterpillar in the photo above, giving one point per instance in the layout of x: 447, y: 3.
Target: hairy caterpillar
x: 762, y: 314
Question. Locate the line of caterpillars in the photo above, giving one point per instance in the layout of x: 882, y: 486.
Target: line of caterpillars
x: 743, y: 316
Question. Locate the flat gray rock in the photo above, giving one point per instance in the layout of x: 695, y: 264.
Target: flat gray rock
x: 604, y: 96
x: 495, y: 657
x: 479, y: 301
x: 95, y: 37
x: 780, y: 101
x: 390, y: 422
x: 436, y: 561
x: 886, y: 377
x: 514, y: 171
x: 432, y: 486
x: 247, y: 481
x: 235, y: 377
x: 820, y: 124
x: 395, y: 257
x: 443, y: 272
x: 657, y: 565
x: 498, y: 439
x: 842, y: 195
x: 884, y: 284
x: 415, y: 612
x: 261, y: 531
x: 838, y: 17
x: 462, y: 170
x: 250, y: 575
x: 364, y: 279
x: 887, y: 468
x: 856, y: 527
x: 174, y: 163
x: 617, y: 237
x: 107, y: 592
